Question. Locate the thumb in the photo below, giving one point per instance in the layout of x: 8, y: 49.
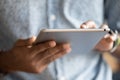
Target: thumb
x: 110, y: 38
x: 104, y: 26
x: 25, y: 42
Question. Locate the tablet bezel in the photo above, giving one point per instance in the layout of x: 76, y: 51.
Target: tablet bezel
x: 73, y: 30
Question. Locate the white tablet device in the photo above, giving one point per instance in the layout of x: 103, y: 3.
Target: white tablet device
x: 81, y: 40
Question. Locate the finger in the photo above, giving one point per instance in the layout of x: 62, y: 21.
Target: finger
x: 103, y: 45
x: 104, y: 26
x: 88, y: 25
x: 52, y: 58
x: 43, y: 46
x: 25, y: 42
x: 56, y: 56
x: 110, y: 38
x: 53, y: 51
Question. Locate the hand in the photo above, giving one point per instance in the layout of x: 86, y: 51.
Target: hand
x: 25, y: 56
x: 106, y: 43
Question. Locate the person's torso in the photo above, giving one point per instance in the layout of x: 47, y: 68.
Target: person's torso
x: 25, y: 18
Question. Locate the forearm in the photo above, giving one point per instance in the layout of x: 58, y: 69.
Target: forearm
x: 3, y: 67
x: 1, y: 62
x: 116, y: 53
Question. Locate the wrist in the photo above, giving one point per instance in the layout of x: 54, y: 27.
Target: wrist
x: 115, y: 51
x: 115, y: 45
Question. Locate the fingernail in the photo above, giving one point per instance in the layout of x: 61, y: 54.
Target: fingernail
x: 52, y: 43
x: 68, y: 50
